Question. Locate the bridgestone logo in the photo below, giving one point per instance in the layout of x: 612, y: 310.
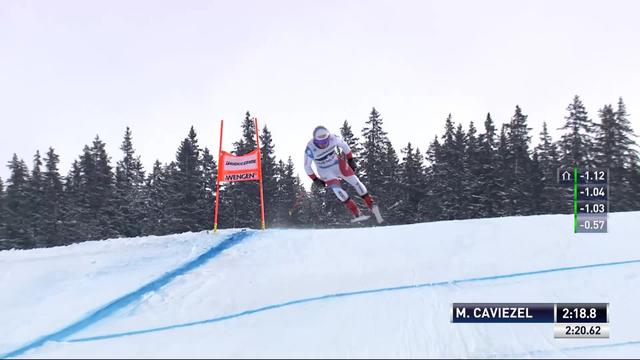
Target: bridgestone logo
x: 240, y: 177
x: 240, y: 163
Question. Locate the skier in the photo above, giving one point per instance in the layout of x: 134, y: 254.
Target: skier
x: 331, y: 166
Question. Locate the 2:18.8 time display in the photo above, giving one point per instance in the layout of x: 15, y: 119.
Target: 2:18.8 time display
x: 582, y: 313
x: 579, y: 313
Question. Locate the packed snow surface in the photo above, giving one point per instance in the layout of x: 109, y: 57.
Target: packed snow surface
x: 361, y: 292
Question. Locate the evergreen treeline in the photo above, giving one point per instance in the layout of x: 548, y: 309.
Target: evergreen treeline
x: 467, y: 172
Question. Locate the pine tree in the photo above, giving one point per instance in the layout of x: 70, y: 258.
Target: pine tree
x: 389, y: 194
x: 18, y: 205
x: 373, y: 150
x: 626, y: 136
x: 519, y: 139
x: 576, y: 144
x: 269, y: 175
x: 279, y: 214
x: 631, y: 159
x: 617, y: 150
x: 380, y: 165
x: 36, y: 211
x: 413, y: 183
x: 472, y: 170
x: 549, y: 193
x: 186, y: 186
x: 518, y: 162
x: 635, y: 186
x: 608, y: 154
x: 539, y: 199
x: 452, y: 154
x: 305, y: 209
x: 3, y: 214
x: 462, y: 172
x: 157, y: 214
x: 296, y: 216
x: 290, y: 195
x: 86, y: 207
x: 96, y: 213
x: 436, y: 189
x: 505, y: 173
x: 489, y: 178
x: 547, y: 150
x: 422, y: 183
x: 129, y: 186
x: 104, y: 200
x: 74, y: 207
x: 247, y: 142
x: 207, y: 197
x: 52, y: 200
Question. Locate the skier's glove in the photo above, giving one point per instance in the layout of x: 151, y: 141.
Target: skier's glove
x: 352, y: 163
x: 319, y: 182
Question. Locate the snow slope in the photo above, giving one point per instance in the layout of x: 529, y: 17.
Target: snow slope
x: 365, y: 292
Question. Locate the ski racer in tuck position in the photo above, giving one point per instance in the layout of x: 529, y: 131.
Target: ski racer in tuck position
x: 331, y: 166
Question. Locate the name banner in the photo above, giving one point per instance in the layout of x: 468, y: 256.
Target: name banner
x: 238, y: 168
x: 502, y: 313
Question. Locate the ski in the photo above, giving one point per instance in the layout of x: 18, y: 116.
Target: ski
x: 360, y: 218
x: 376, y: 212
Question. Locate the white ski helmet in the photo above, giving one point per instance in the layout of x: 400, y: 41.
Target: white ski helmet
x: 321, y: 136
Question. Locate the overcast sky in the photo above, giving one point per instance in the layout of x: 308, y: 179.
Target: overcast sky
x: 72, y: 69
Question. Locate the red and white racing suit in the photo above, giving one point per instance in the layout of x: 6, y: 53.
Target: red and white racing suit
x: 331, y: 167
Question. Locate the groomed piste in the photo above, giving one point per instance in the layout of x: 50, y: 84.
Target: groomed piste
x: 380, y: 292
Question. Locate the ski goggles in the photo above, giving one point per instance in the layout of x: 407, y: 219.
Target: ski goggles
x: 321, y: 143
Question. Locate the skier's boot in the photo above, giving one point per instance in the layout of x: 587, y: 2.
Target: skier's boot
x: 357, y: 215
x: 373, y: 207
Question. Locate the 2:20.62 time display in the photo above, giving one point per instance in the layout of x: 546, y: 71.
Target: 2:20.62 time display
x: 582, y: 330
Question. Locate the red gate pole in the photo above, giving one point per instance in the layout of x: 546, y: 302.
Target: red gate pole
x: 215, y: 219
x: 255, y: 122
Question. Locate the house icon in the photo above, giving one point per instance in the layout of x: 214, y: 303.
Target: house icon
x: 566, y: 175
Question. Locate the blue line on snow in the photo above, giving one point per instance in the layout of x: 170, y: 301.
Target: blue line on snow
x: 131, y: 297
x: 346, y: 294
